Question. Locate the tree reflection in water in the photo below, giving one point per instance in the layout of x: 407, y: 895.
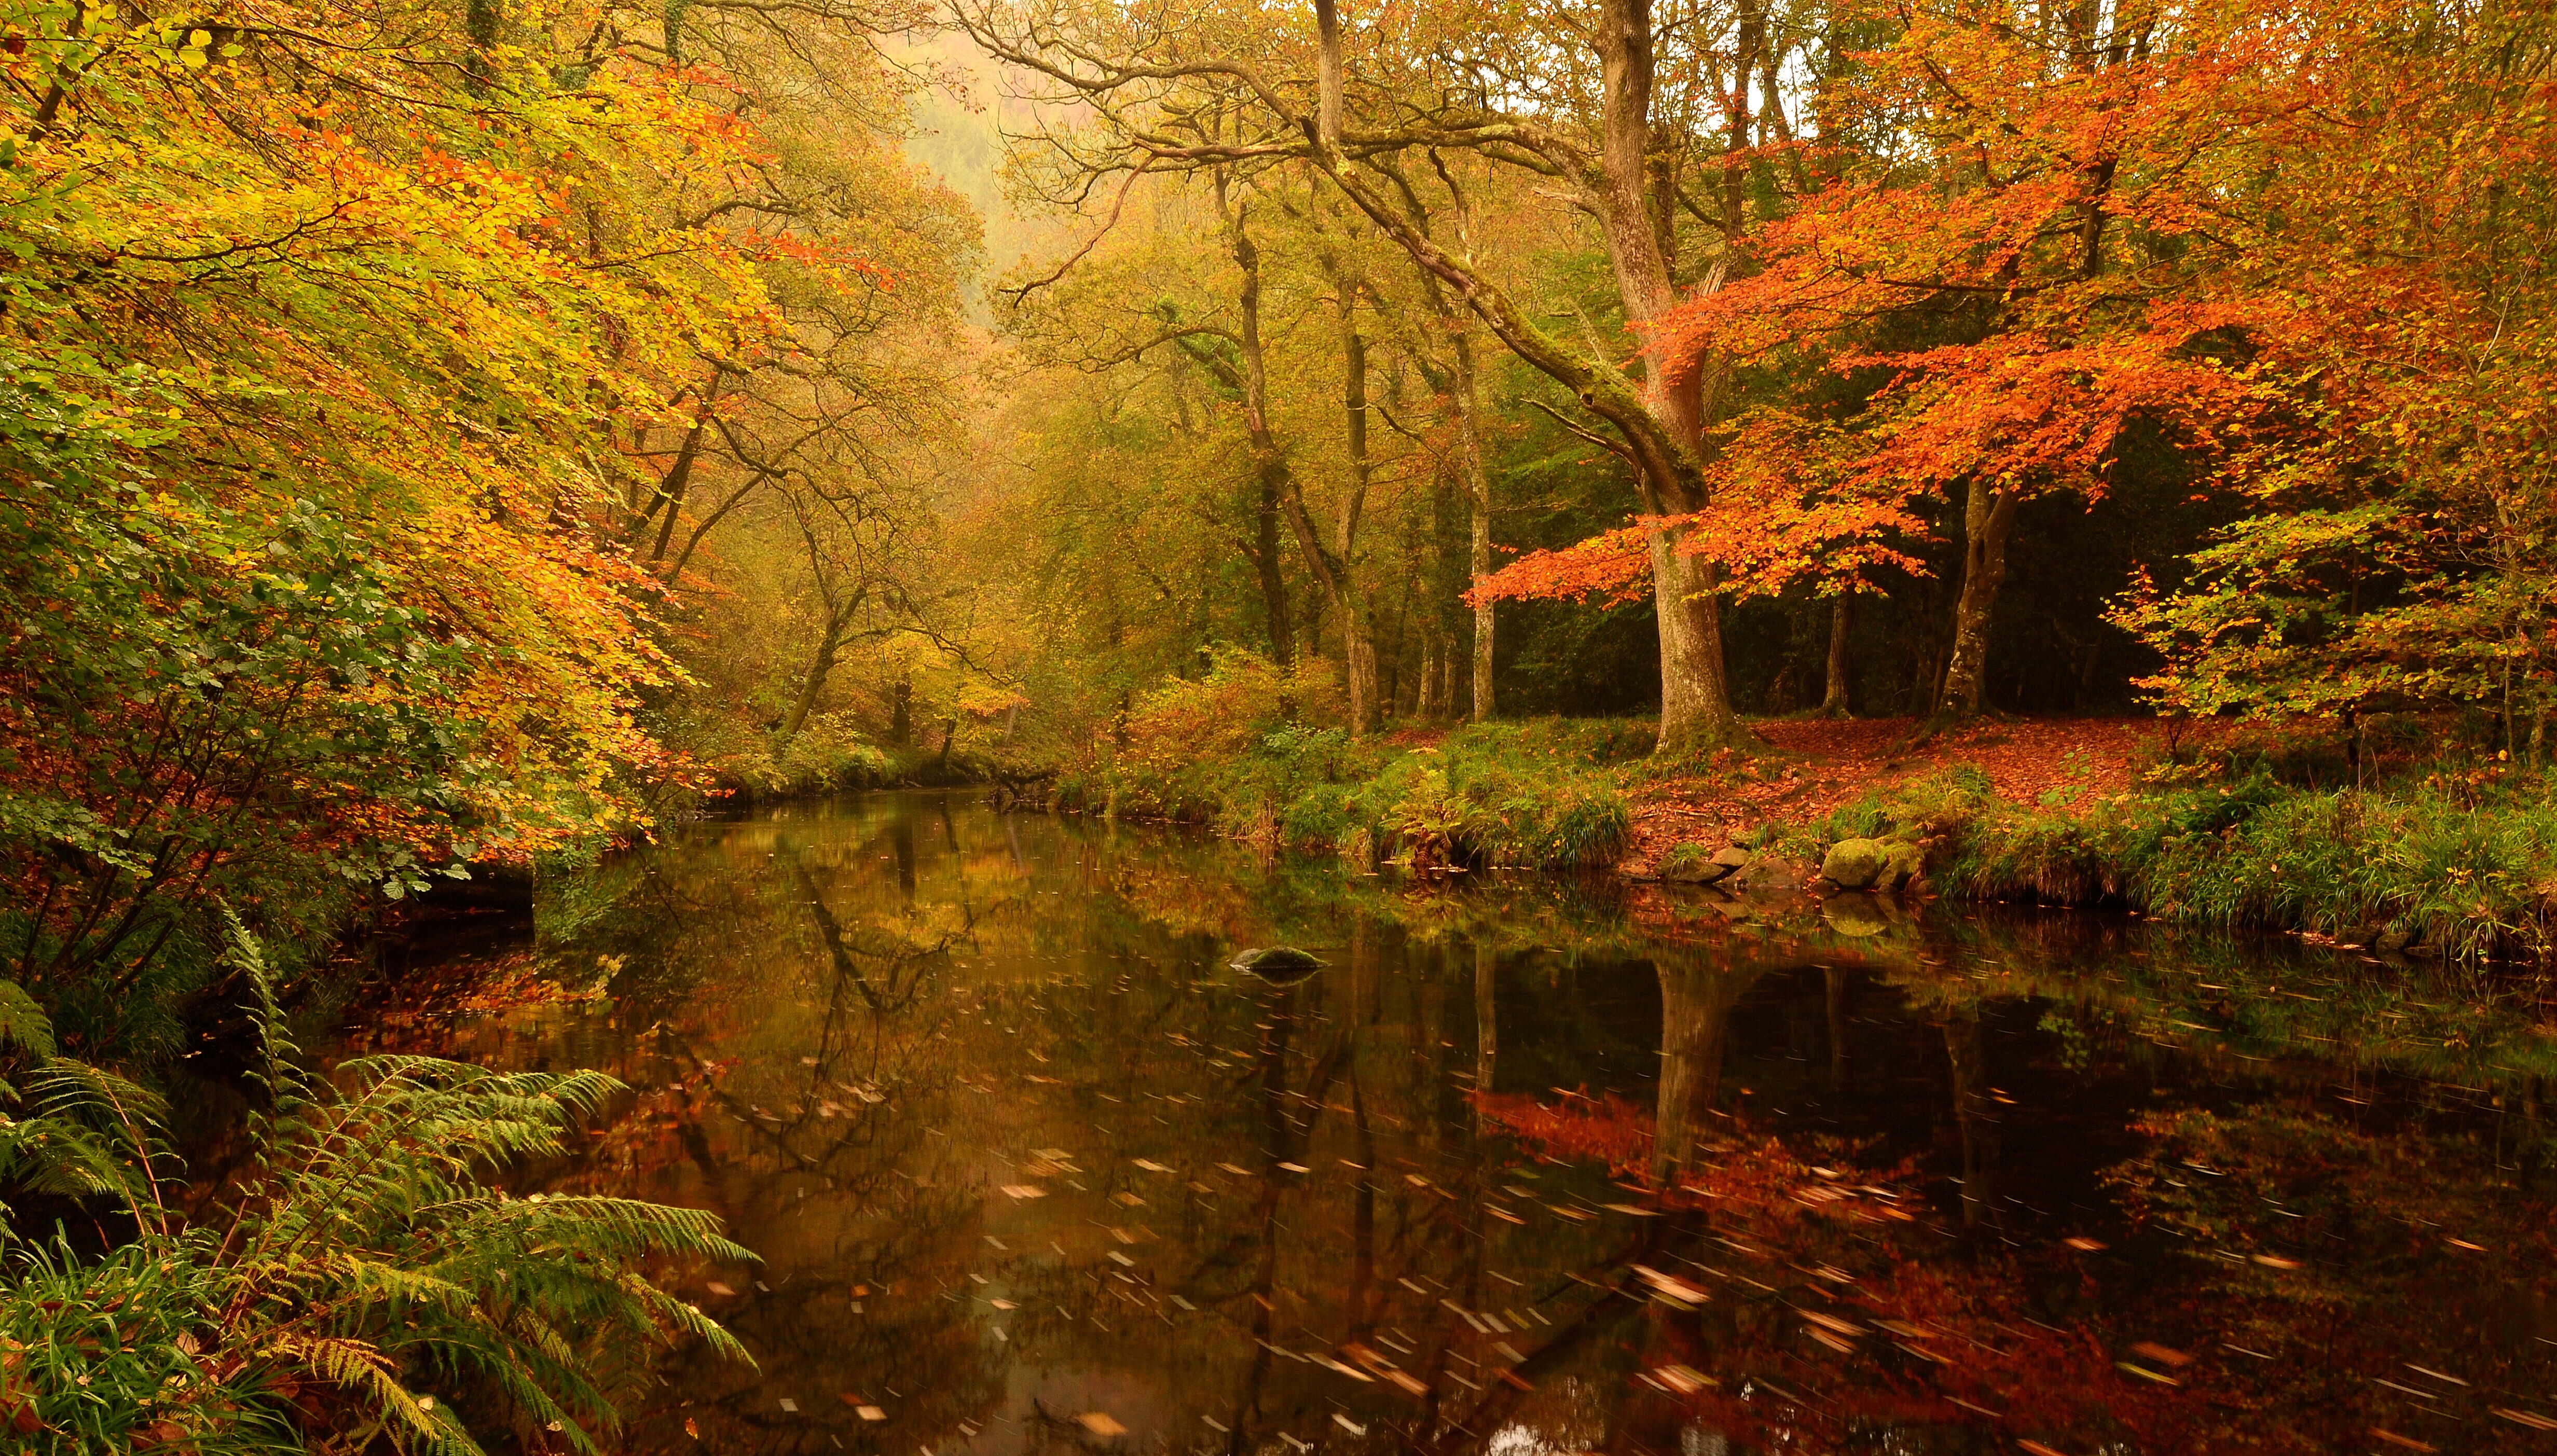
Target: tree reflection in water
x: 1532, y: 1167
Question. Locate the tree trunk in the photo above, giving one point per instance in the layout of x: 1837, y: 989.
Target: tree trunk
x: 1478, y: 498
x: 1274, y: 575
x: 900, y: 723
x: 1664, y: 422
x: 670, y: 491
x: 1696, y: 695
x: 1358, y: 622
x: 1695, y: 699
x: 828, y: 642
x: 1330, y: 568
x: 1480, y: 564
x: 1833, y: 702
x: 1988, y: 519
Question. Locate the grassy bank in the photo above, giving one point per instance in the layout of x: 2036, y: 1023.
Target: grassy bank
x: 1255, y: 755
x: 2456, y: 860
x: 2431, y: 865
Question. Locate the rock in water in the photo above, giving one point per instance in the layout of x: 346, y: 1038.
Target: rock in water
x: 1281, y: 964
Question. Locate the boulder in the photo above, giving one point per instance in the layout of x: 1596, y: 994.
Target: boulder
x: 1721, y: 864
x: 1278, y: 965
x: 1766, y: 875
x: 1856, y: 864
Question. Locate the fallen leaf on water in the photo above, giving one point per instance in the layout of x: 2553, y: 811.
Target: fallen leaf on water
x: 1670, y: 1286
x: 2276, y: 1261
x: 1238, y: 1173
x: 2407, y: 1442
x: 721, y: 1290
x: 1002, y: 1304
x: 1295, y: 1168
x: 1149, y: 1165
x: 2527, y: 1419
x: 1406, y: 1382
x: 789, y: 1406
x: 1100, y: 1423
x: 1627, y: 1208
x: 2161, y: 1354
x: 1825, y: 1337
x: 2126, y: 1367
x: 1573, y: 1214
x: 1831, y: 1323
x: 2473, y: 1247
x: 871, y: 1412
x: 1347, y: 1424
x: 1024, y: 1190
x: 2036, y: 1448
x: 1684, y: 1380
x: 1502, y: 1213
x: 692, y: 1428
x: 1052, y: 1154
x: 2082, y: 1246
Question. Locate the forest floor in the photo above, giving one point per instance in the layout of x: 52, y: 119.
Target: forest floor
x: 2051, y: 764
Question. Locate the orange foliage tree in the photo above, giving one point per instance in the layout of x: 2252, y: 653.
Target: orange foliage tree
x: 2279, y: 241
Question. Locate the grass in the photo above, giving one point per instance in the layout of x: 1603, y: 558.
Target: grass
x: 1247, y: 750
x: 2426, y: 862
x: 2455, y: 862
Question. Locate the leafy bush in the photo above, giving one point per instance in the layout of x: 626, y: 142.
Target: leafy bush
x: 363, y: 1264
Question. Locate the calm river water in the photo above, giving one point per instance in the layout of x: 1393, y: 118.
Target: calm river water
x: 1529, y: 1166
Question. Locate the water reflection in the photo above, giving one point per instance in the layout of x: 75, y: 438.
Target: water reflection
x: 1528, y: 1167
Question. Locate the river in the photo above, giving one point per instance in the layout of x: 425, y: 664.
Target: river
x: 1528, y: 1165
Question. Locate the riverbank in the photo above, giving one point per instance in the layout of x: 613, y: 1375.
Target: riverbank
x: 2431, y: 858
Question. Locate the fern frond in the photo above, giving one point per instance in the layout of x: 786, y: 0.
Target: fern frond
x: 23, y: 1026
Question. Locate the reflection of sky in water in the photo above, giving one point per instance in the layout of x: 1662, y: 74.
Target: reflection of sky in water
x: 1032, y: 1169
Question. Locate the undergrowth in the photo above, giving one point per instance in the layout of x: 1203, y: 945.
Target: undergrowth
x: 364, y: 1282
x: 2426, y: 865
x: 1257, y: 754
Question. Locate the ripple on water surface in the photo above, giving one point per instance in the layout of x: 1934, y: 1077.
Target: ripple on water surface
x: 1527, y: 1166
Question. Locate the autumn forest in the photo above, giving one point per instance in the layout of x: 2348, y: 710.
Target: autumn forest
x: 1947, y: 452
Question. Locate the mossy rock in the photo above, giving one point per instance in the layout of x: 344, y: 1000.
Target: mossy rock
x: 1279, y: 965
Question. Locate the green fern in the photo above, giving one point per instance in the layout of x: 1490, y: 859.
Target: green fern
x: 363, y: 1264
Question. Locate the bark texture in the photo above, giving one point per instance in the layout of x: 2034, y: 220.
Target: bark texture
x: 1988, y: 519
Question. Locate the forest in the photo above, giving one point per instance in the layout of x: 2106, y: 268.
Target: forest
x: 2096, y: 454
